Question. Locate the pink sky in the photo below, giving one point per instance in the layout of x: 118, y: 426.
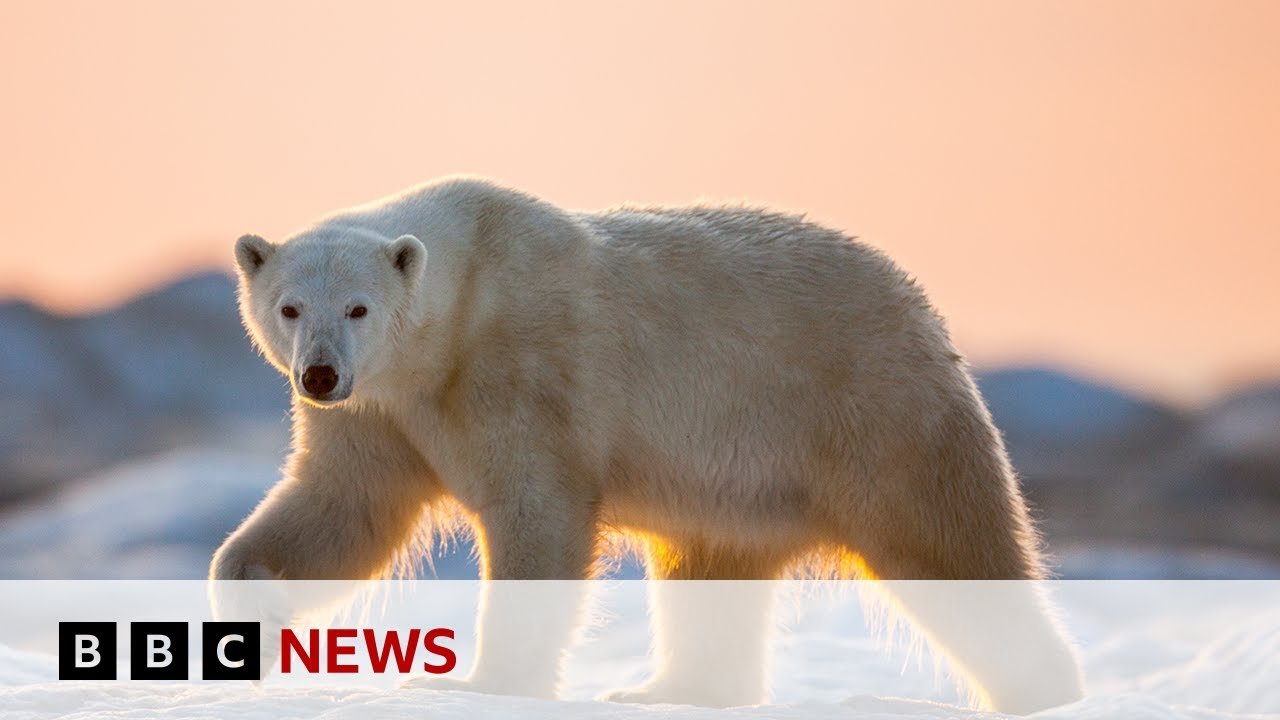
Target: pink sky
x: 1094, y: 185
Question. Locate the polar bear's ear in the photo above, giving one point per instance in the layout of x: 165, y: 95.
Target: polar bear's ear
x: 407, y: 255
x: 251, y: 252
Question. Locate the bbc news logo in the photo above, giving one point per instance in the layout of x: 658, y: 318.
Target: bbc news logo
x: 232, y: 651
x: 159, y: 651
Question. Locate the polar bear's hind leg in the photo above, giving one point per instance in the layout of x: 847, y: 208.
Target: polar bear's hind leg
x: 966, y: 524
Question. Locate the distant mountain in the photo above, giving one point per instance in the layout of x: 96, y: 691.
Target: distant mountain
x: 1239, y: 436
x: 83, y: 391
x: 1081, y: 410
x: 1055, y: 424
x: 1100, y: 465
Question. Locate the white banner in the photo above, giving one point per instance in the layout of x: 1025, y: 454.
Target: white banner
x: 791, y: 648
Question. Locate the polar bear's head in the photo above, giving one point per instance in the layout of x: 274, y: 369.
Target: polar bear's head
x: 322, y: 307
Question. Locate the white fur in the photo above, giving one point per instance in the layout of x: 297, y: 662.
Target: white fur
x: 735, y: 389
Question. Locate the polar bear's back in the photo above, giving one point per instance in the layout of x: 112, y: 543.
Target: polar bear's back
x: 750, y: 280
x: 750, y: 348
x: 750, y: 253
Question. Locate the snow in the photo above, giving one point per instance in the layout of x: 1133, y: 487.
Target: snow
x: 158, y: 517
x: 1151, y: 649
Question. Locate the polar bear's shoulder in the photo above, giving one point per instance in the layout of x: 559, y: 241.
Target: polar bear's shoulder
x: 458, y: 196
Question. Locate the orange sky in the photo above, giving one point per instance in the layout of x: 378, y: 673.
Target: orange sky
x: 1095, y: 185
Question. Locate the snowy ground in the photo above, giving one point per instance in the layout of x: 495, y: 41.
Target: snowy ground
x: 1176, y: 649
x: 1168, y: 649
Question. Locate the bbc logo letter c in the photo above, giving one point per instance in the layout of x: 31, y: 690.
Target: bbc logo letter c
x: 232, y: 651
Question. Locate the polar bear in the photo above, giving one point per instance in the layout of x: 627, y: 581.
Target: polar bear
x: 735, y: 389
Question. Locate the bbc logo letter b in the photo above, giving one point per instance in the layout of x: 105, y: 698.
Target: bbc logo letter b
x: 232, y: 651
x: 158, y: 651
x: 86, y: 651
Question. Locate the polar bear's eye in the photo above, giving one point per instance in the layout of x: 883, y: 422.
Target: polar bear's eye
x: 358, y: 311
x: 289, y: 311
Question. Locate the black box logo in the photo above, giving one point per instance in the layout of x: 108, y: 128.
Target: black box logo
x: 86, y: 651
x: 232, y: 651
x: 158, y: 651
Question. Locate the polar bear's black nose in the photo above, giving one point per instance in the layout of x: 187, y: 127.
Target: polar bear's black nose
x: 320, y: 380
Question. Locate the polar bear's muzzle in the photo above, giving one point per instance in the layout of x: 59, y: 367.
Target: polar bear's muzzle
x: 319, y: 380
x: 322, y: 384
